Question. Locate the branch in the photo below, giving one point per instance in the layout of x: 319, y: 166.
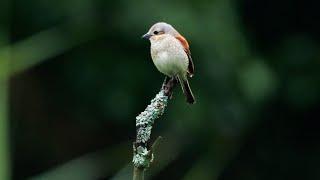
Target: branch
x: 142, y: 151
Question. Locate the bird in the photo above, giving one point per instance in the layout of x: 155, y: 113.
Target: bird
x: 171, y: 55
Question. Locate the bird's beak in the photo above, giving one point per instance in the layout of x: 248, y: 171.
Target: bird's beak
x: 146, y: 36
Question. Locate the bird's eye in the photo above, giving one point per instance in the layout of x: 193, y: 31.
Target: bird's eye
x: 156, y: 32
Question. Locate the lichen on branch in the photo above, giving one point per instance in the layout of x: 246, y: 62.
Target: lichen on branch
x: 142, y: 151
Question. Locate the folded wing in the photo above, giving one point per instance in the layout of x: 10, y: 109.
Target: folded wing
x: 185, y: 44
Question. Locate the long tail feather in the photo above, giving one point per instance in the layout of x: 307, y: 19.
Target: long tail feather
x: 187, y: 90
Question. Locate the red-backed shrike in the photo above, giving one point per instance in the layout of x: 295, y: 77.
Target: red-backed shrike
x: 171, y: 55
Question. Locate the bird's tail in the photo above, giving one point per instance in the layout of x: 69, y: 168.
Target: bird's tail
x: 186, y: 90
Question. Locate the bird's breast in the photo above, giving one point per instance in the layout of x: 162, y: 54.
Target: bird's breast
x: 169, y: 57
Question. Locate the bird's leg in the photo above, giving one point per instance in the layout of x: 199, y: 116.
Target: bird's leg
x: 168, y: 86
x: 166, y: 80
x: 165, y: 84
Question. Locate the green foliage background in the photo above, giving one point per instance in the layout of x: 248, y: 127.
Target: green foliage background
x: 74, y: 74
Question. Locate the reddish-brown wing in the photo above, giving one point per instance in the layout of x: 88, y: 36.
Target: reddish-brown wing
x: 185, y: 44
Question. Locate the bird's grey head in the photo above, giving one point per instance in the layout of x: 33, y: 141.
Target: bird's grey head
x: 160, y: 28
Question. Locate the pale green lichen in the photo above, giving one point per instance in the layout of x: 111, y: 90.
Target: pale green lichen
x: 142, y: 157
x: 144, y: 121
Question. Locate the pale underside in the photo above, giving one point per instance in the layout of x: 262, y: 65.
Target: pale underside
x: 169, y: 56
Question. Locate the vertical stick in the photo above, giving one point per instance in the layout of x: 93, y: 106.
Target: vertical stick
x: 142, y: 151
x: 4, y: 144
x: 4, y: 70
x: 138, y: 174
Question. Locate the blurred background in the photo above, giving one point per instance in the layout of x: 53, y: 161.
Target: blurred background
x: 74, y: 74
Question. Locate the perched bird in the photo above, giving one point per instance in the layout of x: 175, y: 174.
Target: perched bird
x: 171, y: 55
